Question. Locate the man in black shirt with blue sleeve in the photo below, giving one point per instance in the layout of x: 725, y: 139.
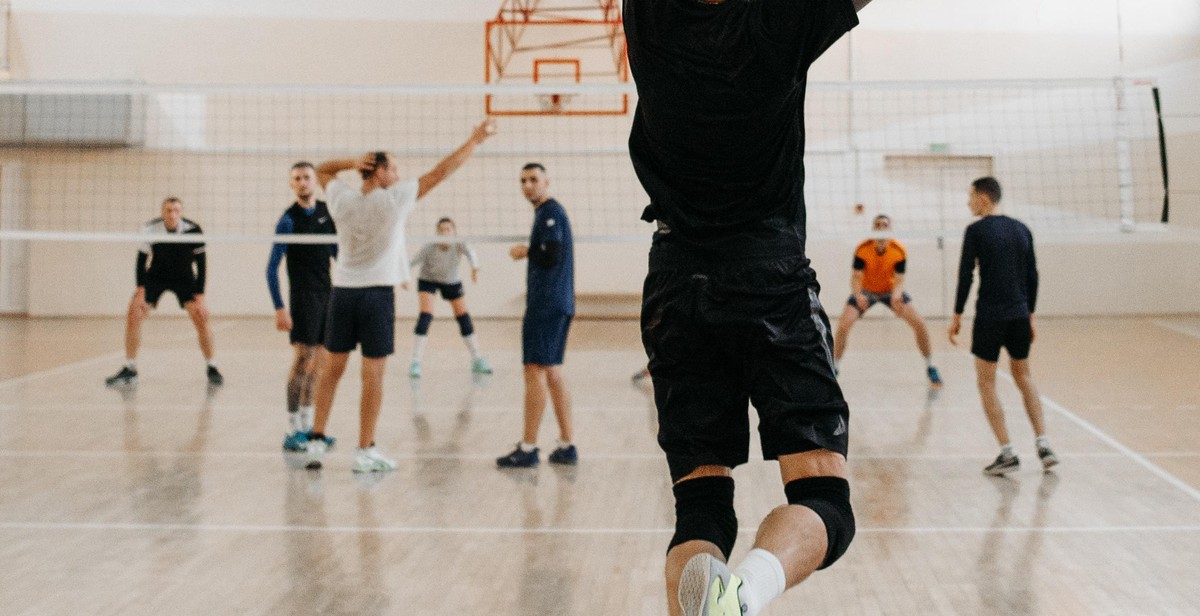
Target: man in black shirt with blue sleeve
x: 730, y: 314
x: 1008, y: 285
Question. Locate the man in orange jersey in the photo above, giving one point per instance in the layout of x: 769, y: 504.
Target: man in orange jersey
x: 878, y: 277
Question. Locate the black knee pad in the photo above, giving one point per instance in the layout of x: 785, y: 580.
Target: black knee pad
x: 465, y: 327
x: 423, y: 321
x: 704, y: 511
x: 830, y: 498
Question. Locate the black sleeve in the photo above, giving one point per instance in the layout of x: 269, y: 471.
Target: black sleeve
x: 545, y: 255
x: 966, y: 272
x: 807, y: 29
x: 201, y: 260
x: 1031, y: 276
x: 901, y: 266
x: 141, y: 268
x: 859, y: 264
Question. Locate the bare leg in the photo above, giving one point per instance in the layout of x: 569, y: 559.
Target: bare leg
x: 535, y: 400
x: 679, y: 555
x: 795, y: 534
x: 327, y: 382
x: 459, y: 306
x: 138, y: 310
x: 562, y: 401
x: 985, y: 374
x: 372, y: 399
x: 312, y: 370
x: 842, y: 334
x: 914, y: 320
x: 200, y: 319
x: 425, y: 302
x: 1029, y: 392
x: 300, y: 377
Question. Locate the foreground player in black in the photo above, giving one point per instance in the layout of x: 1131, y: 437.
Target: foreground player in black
x: 178, y: 267
x: 730, y: 312
x: 1008, y: 285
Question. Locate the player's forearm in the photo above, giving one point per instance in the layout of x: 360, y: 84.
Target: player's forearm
x: 329, y: 169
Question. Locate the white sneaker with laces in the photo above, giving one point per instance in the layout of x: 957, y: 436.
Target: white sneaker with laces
x: 369, y: 460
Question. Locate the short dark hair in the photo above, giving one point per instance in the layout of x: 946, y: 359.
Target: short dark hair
x: 988, y: 186
x: 304, y: 164
x: 381, y: 161
x: 538, y: 166
x: 445, y: 219
x: 172, y: 199
x: 883, y: 216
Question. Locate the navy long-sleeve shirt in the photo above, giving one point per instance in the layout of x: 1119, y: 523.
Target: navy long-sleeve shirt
x: 1008, y: 277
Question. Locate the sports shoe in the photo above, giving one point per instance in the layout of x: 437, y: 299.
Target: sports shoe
x: 296, y: 441
x: 935, y: 379
x: 1003, y: 464
x: 127, y: 376
x: 564, y: 455
x: 480, y: 366
x: 519, y: 458
x: 214, y: 376
x: 369, y: 460
x: 708, y: 588
x: 316, y: 450
x: 1046, y: 455
x: 414, y: 370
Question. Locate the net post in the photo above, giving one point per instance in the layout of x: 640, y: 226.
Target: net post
x: 1124, y: 158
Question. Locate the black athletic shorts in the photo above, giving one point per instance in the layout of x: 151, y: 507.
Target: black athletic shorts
x: 365, y: 316
x: 309, y: 309
x: 184, y: 290
x: 721, y: 334
x: 544, y: 337
x: 450, y: 292
x: 987, y: 337
x: 877, y: 298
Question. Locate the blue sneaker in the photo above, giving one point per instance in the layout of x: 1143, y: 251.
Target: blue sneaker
x: 296, y: 441
x: 519, y: 458
x: 564, y: 455
x: 935, y: 379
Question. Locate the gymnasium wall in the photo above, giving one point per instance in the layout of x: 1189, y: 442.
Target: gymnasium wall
x: 913, y: 39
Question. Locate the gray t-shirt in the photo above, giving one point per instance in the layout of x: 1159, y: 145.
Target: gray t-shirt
x: 440, y: 264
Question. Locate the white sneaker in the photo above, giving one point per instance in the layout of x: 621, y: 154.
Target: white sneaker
x: 316, y: 451
x: 369, y: 460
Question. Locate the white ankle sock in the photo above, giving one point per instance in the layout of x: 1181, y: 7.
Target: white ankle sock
x: 527, y: 447
x: 1006, y: 450
x: 472, y: 345
x: 296, y: 420
x: 928, y: 361
x: 763, y: 579
x: 1043, y: 441
x: 212, y: 363
x: 131, y: 364
x: 419, y: 347
x: 306, y: 414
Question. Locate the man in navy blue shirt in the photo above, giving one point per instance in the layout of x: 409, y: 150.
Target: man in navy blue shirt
x: 1008, y: 285
x: 730, y: 314
x: 549, y: 308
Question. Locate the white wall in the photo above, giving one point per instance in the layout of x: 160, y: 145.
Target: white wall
x: 278, y: 41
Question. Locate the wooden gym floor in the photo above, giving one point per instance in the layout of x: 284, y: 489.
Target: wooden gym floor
x: 173, y: 499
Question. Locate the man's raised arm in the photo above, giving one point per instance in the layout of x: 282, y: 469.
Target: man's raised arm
x: 456, y: 158
x: 328, y: 170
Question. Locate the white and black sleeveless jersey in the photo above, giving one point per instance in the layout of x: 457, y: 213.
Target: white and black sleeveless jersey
x: 171, y: 261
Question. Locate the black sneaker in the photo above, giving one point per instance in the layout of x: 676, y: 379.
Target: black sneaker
x: 1046, y: 455
x: 214, y: 376
x: 127, y: 376
x: 564, y: 455
x: 1003, y: 464
x: 519, y: 458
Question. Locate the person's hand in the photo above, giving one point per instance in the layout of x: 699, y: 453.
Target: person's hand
x: 1032, y: 329
x: 367, y: 163
x: 955, y: 326
x: 475, y: 274
x: 860, y: 300
x: 518, y: 252
x: 404, y: 285
x: 486, y: 129
x: 283, y: 320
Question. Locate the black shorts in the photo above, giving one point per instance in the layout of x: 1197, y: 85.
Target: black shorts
x: 987, y: 337
x: 450, y: 292
x: 184, y: 290
x: 877, y: 298
x: 365, y: 316
x: 544, y: 337
x: 720, y: 335
x: 309, y: 309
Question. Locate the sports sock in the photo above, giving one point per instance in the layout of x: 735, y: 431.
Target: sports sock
x: 296, y: 421
x: 928, y: 361
x: 763, y: 579
x: 1043, y: 441
x: 212, y: 363
x: 419, y: 347
x: 131, y: 364
x: 306, y: 414
x: 561, y: 444
x: 527, y: 447
x: 1006, y: 450
x: 472, y: 345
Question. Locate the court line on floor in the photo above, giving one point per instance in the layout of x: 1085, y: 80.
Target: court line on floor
x: 469, y: 530
x: 1179, y: 329
x: 1111, y: 441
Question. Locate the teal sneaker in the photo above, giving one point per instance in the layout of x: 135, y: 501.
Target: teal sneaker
x: 480, y: 366
x: 414, y: 370
x: 296, y: 441
x: 935, y: 379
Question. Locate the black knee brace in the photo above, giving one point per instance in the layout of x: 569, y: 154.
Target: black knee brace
x: 465, y: 327
x: 830, y: 498
x: 704, y: 511
x: 423, y: 321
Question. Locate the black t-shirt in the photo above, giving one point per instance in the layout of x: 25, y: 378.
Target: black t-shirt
x: 308, y: 264
x: 718, y: 135
x: 1008, y: 276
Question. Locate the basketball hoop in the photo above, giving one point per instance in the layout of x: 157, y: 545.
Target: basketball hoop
x: 554, y: 103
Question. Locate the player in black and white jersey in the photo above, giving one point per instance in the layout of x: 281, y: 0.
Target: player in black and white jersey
x: 178, y: 267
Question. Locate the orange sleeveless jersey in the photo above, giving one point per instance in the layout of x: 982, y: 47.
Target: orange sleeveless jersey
x: 880, y: 270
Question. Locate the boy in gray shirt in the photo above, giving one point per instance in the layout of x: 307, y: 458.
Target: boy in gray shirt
x: 439, y: 274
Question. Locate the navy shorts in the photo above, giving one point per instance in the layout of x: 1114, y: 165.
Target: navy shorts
x: 544, y: 337
x: 988, y: 337
x: 877, y: 298
x: 450, y: 292
x: 184, y: 290
x: 309, y: 309
x: 365, y: 316
x: 723, y: 334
